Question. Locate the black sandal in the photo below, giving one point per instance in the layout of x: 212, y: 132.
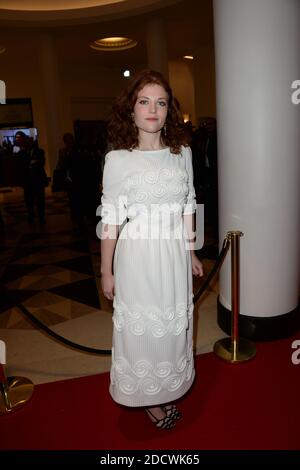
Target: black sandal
x: 164, y: 423
x: 172, y: 412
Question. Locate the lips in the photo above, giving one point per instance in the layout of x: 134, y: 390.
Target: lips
x: 151, y: 119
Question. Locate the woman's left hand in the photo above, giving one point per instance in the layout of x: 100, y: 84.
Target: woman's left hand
x: 197, y: 266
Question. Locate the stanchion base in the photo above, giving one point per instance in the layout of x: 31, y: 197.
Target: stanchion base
x: 19, y: 391
x: 234, y: 352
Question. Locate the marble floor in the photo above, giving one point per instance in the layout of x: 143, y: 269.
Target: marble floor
x: 53, y: 270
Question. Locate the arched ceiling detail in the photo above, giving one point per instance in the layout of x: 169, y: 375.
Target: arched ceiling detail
x: 64, y: 12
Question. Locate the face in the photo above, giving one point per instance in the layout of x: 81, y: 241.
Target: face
x: 20, y: 140
x: 209, y: 124
x: 150, y: 109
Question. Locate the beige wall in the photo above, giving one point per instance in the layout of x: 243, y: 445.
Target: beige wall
x: 23, y: 81
x: 88, y: 89
x: 181, y: 78
x: 193, y: 83
x: 87, y: 93
x: 91, y: 89
x: 205, y: 83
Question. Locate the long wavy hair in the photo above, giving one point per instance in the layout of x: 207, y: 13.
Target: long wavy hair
x: 122, y: 131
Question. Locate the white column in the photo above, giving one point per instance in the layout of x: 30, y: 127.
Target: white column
x: 157, y: 46
x: 257, y: 59
x: 52, y: 95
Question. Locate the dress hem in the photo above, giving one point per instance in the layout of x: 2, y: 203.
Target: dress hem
x: 165, y: 397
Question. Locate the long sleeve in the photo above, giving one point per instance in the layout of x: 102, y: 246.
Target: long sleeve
x: 190, y: 206
x: 114, y: 200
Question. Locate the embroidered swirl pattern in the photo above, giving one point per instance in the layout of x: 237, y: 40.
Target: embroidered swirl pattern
x: 139, y: 319
x: 150, y: 379
x: 158, y: 186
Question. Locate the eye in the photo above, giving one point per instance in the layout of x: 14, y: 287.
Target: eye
x: 143, y: 101
x: 162, y: 103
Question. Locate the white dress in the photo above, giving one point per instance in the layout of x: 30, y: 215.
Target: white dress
x: 152, y: 351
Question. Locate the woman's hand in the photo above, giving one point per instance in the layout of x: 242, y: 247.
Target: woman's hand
x: 108, y: 285
x: 197, y: 266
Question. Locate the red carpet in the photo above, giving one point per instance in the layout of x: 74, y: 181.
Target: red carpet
x: 254, y: 405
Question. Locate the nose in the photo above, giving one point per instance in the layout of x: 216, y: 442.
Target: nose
x: 152, y: 107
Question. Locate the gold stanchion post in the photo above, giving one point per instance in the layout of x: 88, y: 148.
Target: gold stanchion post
x: 14, y: 391
x: 235, y: 349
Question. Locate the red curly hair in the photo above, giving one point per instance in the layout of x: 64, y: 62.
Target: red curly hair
x: 123, y: 134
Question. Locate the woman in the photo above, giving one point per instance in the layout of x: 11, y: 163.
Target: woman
x: 148, y: 178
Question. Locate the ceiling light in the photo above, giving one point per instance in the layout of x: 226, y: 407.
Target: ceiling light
x: 113, y: 44
x: 189, y: 57
x: 2, y: 49
x: 126, y: 73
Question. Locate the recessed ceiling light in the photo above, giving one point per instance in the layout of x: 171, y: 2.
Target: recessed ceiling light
x: 189, y: 57
x: 126, y: 73
x: 113, y: 44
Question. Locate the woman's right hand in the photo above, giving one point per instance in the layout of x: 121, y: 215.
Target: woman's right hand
x: 108, y: 285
